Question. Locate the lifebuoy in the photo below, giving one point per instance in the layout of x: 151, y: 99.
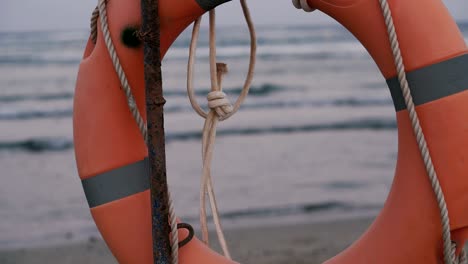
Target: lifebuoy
x: 408, y: 229
x: 110, y: 151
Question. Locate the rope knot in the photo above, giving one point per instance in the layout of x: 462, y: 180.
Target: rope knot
x: 218, y: 102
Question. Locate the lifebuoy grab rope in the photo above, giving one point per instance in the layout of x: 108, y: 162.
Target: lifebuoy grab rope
x: 449, y: 248
x: 102, y: 14
x: 220, y: 109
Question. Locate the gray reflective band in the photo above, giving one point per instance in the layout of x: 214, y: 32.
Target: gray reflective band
x: 433, y: 82
x: 117, y: 183
x: 210, y: 4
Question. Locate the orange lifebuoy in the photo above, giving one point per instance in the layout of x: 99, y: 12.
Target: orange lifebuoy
x: 408, y: 229
x: 110, y: 151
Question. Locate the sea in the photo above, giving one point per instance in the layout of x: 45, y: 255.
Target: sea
x: 315, y: 140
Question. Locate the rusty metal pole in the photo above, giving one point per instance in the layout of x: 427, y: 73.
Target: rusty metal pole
x: 150, y: 33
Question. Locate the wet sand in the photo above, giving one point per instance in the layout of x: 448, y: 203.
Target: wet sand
x: 304, y: 243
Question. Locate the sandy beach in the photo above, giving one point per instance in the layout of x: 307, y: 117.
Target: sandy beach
x: 304, y: 243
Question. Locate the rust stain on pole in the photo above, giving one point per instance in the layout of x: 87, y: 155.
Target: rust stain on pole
x: 150, y: 34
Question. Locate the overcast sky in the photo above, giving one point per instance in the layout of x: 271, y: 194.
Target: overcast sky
x: 70, y: 14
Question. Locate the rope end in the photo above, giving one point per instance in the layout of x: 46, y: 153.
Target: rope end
x: 221, y: 68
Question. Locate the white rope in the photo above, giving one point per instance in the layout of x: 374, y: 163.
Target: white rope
x: 302, y: 4
x: 119, y: 70
x: 449, y: 250
x: 220, y: 109
x: 134, y: 110
x: 93, y: 24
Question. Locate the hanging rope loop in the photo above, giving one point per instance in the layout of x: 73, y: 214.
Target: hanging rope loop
x: 218, y: 70
x: 449, y: 247
x: 220, y: 109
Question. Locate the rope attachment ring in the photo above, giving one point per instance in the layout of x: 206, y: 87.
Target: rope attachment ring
x: 302, y: 4
x: 191, y: 233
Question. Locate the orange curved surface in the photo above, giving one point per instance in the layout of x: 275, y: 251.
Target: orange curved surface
x: 408, y: 228
x: 106, y: 136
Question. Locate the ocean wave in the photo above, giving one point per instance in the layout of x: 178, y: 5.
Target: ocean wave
x: 33, y: 38
x: 35, y: 114
x: 38, y: 144
x: 317, y: 42
x: 58, y: 144
x: 41, y: 60
x: 11, y: 114
x: 360, y: 124
x: 319, y: 50
x: 340, y: 102
x: 314, y: 50
x: 294, y: 209
x: 261, y: 90
x: 277, y: 35
x: 35, y: 97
